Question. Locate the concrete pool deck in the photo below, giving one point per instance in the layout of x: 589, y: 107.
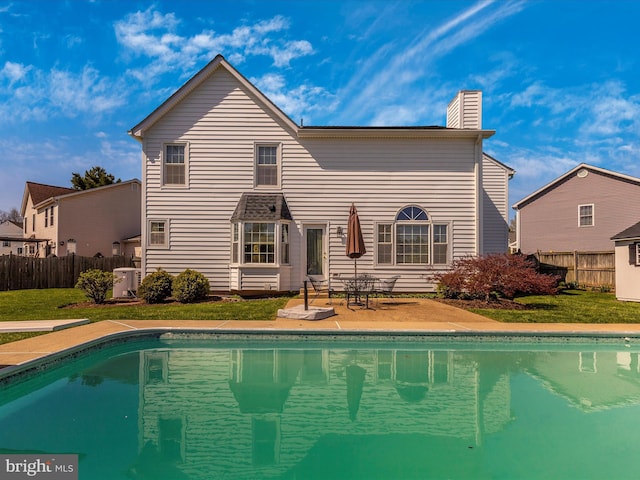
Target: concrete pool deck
x: 404, y: 316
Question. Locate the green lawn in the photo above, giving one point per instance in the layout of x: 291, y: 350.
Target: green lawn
x: 48, y: 304
x: 570, y: 306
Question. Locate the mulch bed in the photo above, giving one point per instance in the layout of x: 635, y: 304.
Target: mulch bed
x: 116, y: 302
x: 500, y: 304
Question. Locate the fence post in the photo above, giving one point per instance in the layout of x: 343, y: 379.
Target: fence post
x: 575, y: 266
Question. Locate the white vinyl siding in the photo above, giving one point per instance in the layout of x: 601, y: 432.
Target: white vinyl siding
x: 495, y: 207
x: 319, y: 177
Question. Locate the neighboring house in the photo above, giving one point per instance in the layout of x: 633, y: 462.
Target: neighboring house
x: 98, y: 221
x: 233, y: 188
x: 10, y: 238
x: 627, y: 248
x: 579, y: 211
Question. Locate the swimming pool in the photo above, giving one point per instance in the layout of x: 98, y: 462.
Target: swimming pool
x: 169, y: 407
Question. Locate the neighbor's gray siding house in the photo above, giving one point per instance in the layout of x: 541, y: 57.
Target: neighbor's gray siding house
x: 233, y: 188
x: 627, y: 252
x: 579, y: 211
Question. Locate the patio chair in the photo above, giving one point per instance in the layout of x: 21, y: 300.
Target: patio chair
x: 321, y: 287
x: 384, y: 287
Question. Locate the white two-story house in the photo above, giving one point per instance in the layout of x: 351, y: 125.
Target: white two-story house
x: 233, y: 188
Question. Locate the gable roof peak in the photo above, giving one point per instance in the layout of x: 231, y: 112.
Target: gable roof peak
x: 195, y: 81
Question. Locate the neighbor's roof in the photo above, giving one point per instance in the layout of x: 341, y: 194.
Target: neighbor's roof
x: 261, y: 207
x: 629, y: 233
x: 566, y: 176
x: 41, y: 193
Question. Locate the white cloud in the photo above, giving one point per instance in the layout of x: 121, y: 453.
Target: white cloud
x: 31, y: 94
x: 155, y: 35
x: 300, y: 102
x: 84, y: 92
x: 413, y: 61
x: 14, y: 72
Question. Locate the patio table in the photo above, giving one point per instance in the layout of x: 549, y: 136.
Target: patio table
x: 357, y: 287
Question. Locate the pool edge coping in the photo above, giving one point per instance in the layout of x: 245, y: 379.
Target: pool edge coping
x: 47, y: 360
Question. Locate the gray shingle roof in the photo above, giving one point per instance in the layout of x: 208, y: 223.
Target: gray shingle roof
x: 266, y: 207
x: 632, y: 232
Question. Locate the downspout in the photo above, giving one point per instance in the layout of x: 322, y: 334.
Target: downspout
x: 479, y: 196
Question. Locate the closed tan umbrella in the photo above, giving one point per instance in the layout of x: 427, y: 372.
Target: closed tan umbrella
x: 355, y: 242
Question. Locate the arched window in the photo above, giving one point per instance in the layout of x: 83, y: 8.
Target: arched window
x: 412, y: 239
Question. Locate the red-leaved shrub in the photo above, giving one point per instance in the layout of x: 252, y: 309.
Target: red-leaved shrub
x: 494, y: 276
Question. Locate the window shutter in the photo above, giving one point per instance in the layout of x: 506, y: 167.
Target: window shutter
x: 632, y: 254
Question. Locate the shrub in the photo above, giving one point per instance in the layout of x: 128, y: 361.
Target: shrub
x: 156, y: 286
x: 494, y: 276
x: 95, y: 284
x: 190, y: 286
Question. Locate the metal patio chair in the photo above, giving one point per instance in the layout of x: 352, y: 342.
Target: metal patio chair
x: 384, y: 287
x: 321, y: 287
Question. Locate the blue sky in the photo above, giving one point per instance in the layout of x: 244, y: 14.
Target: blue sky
x: 560, y: 79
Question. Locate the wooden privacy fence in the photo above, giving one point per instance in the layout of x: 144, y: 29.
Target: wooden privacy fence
x: 19, y: 273
x: 591, y: 269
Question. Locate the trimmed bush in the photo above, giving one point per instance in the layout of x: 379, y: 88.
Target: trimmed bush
x: 95, y: 284
x: 190, y: 286
x: 156, y: 287
x: 494, y: 276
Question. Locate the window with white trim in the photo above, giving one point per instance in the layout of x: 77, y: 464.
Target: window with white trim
x: 158, y: 235
x: 638, y: 254
x: 585, y: 215
x: 265, y: 243
x: 235, y: 238
x: 412, y: 239
x: 259, y: 242
x: 267, y: 165
x: 174, y: 164
x: 284, y: 243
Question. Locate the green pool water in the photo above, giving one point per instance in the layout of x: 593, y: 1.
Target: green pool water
x: 185, y: 409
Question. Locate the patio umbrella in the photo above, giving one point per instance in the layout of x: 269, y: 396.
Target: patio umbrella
x: 355, y: 242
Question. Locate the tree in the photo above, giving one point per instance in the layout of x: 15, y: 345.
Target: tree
x: 95, y: 177
x: 12, y: 216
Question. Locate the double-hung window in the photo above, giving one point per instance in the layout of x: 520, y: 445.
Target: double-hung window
x: 48, y: 217
x: 412, y: 239
x: 585, y: 216
x: 174, y: 164
x: 637, y: 253
x: 158, y: 234
x: 267, y: 166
